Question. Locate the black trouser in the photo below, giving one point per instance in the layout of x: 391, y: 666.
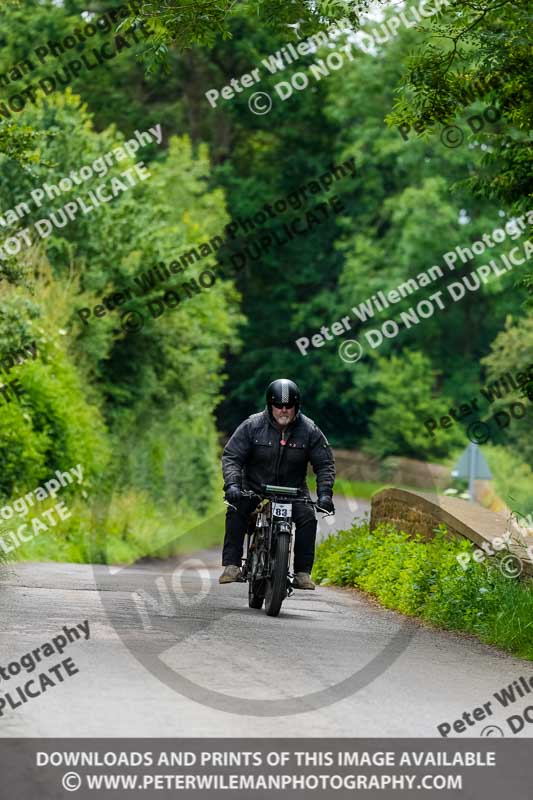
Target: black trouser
x: 237, y: 524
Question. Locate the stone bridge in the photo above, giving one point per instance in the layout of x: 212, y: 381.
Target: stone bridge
x: 419, y: 512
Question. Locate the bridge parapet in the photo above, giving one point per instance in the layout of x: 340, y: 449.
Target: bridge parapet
x: 421, y: 512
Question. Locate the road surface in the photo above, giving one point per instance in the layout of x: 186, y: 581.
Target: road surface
x: 234, y: 671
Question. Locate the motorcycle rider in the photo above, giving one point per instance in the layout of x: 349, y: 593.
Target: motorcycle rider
x: 275, y: 446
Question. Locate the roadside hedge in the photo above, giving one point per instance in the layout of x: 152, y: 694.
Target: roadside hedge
x: 424, y: 579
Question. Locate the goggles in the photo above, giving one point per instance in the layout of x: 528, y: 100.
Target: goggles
x: 283, y: 405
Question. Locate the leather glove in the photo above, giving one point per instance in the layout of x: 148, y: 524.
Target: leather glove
x: 325, y: 501
x: 233, y: 494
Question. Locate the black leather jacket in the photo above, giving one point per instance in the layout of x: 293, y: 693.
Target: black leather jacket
x: 255, y: 455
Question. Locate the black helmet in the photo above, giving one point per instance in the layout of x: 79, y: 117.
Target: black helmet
x: 283, y: 391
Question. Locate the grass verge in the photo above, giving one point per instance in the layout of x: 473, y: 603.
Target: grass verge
x: 128, y: 528
x: 362, y: 490
x: 424, y: 579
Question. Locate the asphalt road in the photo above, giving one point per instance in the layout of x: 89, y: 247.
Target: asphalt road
x: 173, y: 653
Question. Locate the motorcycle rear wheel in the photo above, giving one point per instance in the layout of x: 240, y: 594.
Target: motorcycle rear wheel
x: 276, y: 589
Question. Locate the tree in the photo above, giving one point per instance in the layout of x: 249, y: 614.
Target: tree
x: 204, y: 23
x: 512, y: 352
x: 406, y: 399
x: 477, y: 50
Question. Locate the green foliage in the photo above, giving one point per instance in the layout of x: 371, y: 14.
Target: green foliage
x: 143, y: 409
x: 18, y: 142
x: 479, y: 50
x: 54, y: 424
x: 204, y: 22
x: 405, y: 400
x: 400, y: 219
x: 401, y: 216
x: 424, y: 579
x: 482, y: 48
x: 133, y: 527
x: 512, y: 351
x: 136, y: 410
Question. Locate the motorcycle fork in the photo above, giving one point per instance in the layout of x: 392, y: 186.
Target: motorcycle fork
x: 290, y: 590
x: 290, y: 575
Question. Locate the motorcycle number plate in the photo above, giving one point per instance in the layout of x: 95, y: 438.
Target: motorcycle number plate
x: 283, y: 510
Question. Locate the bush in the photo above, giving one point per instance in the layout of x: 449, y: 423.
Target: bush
x: 424, y: 579
x: 55, y: 424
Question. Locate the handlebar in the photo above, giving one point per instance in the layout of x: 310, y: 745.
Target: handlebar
x: 261, y: 496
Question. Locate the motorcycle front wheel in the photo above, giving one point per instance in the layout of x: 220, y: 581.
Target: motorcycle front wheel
x: 276, y: 589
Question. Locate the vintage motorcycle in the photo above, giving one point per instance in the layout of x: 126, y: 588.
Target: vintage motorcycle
x: 268, y: 546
